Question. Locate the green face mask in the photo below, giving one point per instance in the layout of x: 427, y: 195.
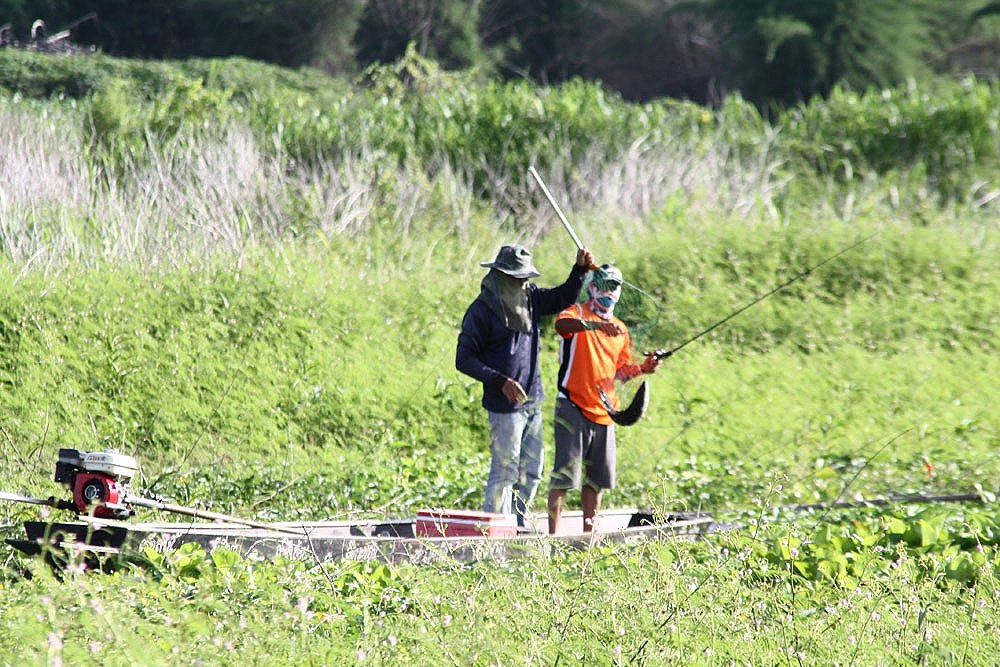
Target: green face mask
x: 508, y: 298
x: 605, y: 283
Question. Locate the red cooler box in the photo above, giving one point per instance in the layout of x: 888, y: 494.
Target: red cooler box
x: 465, y: 523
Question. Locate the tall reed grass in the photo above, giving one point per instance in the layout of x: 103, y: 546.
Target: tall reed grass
x: 195, y: 197
x: 263, y: 308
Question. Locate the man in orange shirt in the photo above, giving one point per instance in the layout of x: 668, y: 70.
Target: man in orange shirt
x: 595, y: 350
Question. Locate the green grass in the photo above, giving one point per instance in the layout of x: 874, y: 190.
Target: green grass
x: 275, y: 337
x: 317, y: 383
x: 650, y: 604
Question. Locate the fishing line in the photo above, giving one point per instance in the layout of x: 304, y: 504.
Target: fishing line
x: 718, y: 410
x: 795, y: 480
x: 663, y: 354
x: 638, y: 653
x: 857, y: 473
x: 640, y: 311
x: 215, y: 411
x: 828, y: 506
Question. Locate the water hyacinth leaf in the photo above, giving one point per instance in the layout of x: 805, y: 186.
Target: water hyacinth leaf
x: 225, y: 559
x: 153, y: 557
x: 922, y: 534
x: 834, y: 569
x: 804, y: 568
x: 962, y: 568
x: 897, y: 527
x: 865, y: 534
x: 823, y: 534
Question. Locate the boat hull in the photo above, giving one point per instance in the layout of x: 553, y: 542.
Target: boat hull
x: 392, y: 541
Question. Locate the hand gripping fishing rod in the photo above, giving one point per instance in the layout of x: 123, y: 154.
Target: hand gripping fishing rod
x: 641, y: 398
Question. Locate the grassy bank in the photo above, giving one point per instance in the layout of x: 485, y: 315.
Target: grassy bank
x: 266, y: 319
x: 313, y: 355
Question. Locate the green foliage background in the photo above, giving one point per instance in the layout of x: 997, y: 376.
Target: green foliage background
x: 774, y: 52
x: 284, y: 350
x: 321, y: 340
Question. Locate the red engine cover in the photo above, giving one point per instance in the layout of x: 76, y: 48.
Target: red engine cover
x: 101, y: 493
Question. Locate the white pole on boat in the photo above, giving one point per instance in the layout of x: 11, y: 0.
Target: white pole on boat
x: 18, y: 498
x: 150, y: 503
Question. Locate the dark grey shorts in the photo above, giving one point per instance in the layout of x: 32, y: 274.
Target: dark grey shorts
x: 582, y: 444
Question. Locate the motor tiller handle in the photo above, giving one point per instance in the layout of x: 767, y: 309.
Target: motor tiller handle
x: 51, y: 501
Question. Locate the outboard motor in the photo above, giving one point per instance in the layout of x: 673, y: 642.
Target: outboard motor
x: 100, y: 481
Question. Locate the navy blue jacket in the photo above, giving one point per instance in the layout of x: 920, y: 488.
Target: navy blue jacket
x: 490, y: 352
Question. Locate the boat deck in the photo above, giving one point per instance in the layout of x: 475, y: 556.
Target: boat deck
x: 391, y: 541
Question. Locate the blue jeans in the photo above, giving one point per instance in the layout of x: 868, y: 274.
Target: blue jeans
x: 516, y: 466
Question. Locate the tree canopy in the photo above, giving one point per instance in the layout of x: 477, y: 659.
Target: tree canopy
x: 771, y: 51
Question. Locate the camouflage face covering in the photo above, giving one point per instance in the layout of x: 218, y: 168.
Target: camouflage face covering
x: 601, y: 302
x: 604, y: 290
x: 607, y: 278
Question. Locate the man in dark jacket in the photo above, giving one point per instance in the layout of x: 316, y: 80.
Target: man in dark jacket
x: 498, y: 346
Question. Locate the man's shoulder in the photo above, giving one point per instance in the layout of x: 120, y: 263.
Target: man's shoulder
x: 477, y: 299
x: 477, y: 304
x: 477, y: 310
x: 574, y: 310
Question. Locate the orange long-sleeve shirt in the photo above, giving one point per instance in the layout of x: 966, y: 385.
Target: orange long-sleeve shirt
x: 589, y: 360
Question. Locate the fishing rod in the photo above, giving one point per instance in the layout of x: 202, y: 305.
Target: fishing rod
x: 640, y: 401
x: 555, y: 207
x: 663, y: 354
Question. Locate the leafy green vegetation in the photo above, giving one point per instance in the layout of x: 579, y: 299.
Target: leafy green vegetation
x: 423, y: 118
x: 642, y: 604
x: 773, y: 52
x: 257, y: 290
